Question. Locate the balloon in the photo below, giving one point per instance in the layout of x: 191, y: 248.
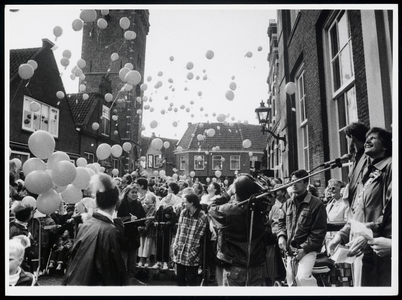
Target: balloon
x: 162, y: 173
x: 124, y: 23
x: 209, y: 54
x: 153, y: 124
x: 249, y: 54
x: 217, y: 148
x: 175, y: 176
x: 166, y: 144
x: 115, y: 132
x: 25, y: 71
x: 88, y: 15
x: 17, y: 162
x: 60, y: 95
x: 149, y: 78
x: 41, y: 143
x: 221, y: 118
x: 129, y: 66
x: 108, y: 97
x: 78, y: 72
x: 82, y: 88
x: 117, y: 150
x: 48, y: 202
x: 67, y: 54
x: 142, y: 158
x: 133, y: 77
x: 211, y: 132
x: 95, y: 126
x: 156, y: 173
x: 33, y: 63
x: 29, y: 200
x: 33, y: 164
x: 250, y: 154
x: 174, y: 123
x: 38, y: 182
x: 103, y: 151
x: 208, y: 179
x: 200, y: 137
x: 102, y: 24
x: 290, y: 88
x: 56, y: 157
x: 81, y: 63
x: 97, y: 166
x: 81, y: 181
x: 199, y: 93
x: 192, y: 173
x: 115, y: 172
x: 233, y: 86
x: 57, y: 31
x: 114, y: 56
x: 171, y: 58
x: 81, y: 162
x: 222, y: 159
x: 91, y: 169
x: 190, y: 75
x: 143, y: 87
x: 104, y: 12
x: 77, y: 25
x: 189, y: 65
x: 214, y: 179
x: 229, y: 95
x: 179, y: 148
x: 63, y: 173
x: 71, y: 194
x: 127, y: 146
x: 218, y: 173
x: 259, y: 48
x: 102, y: 169
x: 246, y: 143
x: 85, y: 96
x: 64, y: 61
x: 128, y: 87
x: 157, y: 144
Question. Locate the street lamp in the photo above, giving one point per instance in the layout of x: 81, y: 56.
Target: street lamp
x: 263, y: 115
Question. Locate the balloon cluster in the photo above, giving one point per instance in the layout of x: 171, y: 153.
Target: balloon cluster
x: 26, y: 71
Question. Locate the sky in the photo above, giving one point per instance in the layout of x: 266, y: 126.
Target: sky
x: 179, y: 37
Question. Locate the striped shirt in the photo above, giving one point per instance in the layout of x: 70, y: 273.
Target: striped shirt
x: 187, y: 247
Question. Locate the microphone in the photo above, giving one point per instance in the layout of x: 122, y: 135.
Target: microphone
x: 338, y: 161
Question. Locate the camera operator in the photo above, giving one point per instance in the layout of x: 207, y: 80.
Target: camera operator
x: 232, y: 223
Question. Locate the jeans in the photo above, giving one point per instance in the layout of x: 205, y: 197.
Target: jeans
x: 186, y: 275
x: 237, y: 276
x: 304, y: 275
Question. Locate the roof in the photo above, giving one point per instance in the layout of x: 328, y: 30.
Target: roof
x: 21, y: 56
x: 80, y: 108
x: 228, y: 136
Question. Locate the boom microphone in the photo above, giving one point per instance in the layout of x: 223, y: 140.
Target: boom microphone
x: 337, y: 161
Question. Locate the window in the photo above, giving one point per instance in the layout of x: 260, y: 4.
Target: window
x: 253, y: 159
x: 199, y: 162
x: 22, y: 156
x: 294, y: 13
x: 105, y: 120
x: 183, y: 162
x: 45, y: 118
x: 302, y: 120
x: 342, y: 77
x: 235, y: 162
x: 216, y: 162
x: 90, y: 157
x: 150, y: 161
x: 158, y: 161
x: 115, y: 163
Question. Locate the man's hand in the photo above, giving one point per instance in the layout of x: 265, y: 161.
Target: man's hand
x: 133, y: 218
x: 358, y: 246
x: 333, y: 244
x: 300, y: 254
x: 381, y: 246
x: 282, y: 243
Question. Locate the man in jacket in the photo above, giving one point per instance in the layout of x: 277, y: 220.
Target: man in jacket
x: 242, y: 262
x: 302, y: 226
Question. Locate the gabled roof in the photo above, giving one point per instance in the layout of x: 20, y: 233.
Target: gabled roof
x: 80, y: 108
x: 21, y: 56
x: 228, y: 136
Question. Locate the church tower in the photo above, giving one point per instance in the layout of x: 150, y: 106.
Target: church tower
x: 106, y: 50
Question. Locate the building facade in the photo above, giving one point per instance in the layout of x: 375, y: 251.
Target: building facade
x: 340, y: 62
x: 106, y: 51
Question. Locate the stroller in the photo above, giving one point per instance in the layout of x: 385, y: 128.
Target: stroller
x: 322, y: 270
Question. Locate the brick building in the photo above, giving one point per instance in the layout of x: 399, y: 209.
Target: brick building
x: 341, y: 64
x: 54, y: 114
x: 224, y: 150
x: 102, y: 74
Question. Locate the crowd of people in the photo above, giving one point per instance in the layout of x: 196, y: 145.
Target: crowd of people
x: 229, y: 234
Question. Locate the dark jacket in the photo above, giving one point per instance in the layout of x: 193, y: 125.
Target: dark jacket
x: 26, y: 279
x: 95, y: 258
x: 306, y: 225
x: 232, y: 224
x: 131, y: 234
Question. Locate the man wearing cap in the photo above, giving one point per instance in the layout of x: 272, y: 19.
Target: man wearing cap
x: 302, y: 226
